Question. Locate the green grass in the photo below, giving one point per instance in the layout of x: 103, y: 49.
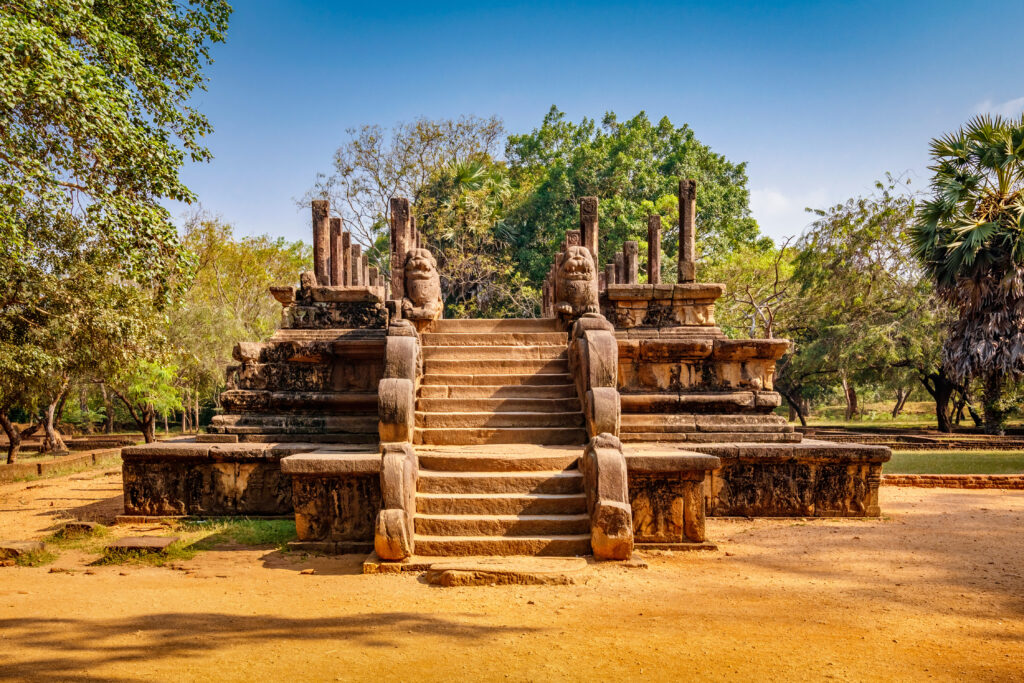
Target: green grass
x: 244, y: 531
x: 36, y: 558
x: 198, y: 535
x: 88, y: 542
x: 955, y: 462
x: 178, y: 551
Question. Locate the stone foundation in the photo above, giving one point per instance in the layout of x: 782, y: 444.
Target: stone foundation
x: 667, y: 496
x: 336, y: 494
x: 190, y: 478
x: 808, y: 479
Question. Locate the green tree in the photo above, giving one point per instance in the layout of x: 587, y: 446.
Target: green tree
x: 227, y: 301
x: 633, y: 167
x: 969, y: 235
x: 863, y: 313
x: 461, y: 213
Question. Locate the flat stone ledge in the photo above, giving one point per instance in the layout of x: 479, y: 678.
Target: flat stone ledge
x: 676, y: 547
x: 491, y: 571
x: 670, y: 461
x: 332, y: 463
x: 141, y: 544
x: 807, y: 450
x: 10, y: 550
x: 215, y: 452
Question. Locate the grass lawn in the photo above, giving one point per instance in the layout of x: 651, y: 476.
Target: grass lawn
x: 955, y: 462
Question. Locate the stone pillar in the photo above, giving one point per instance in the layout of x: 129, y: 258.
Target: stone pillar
x: 588, y: 224
x: 654, y: 250
x: 321, y: 241
x: 357, y: 262
x: 374, y: 276
x: 346, y: 258
x: 609, y: 275
x: 620, y: 268
x: 337, y: 258
x: 401, y: 236
x: 630, y: 257
x: 687, y: 243
x: 365, y: 277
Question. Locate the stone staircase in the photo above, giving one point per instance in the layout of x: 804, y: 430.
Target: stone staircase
x: 512, y: 500
x: 497, y: 382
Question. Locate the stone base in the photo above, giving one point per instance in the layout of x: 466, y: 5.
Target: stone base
x: 675, y: 547
x: 336, y: 494
x: 187, y: 478
x: 808, y: 479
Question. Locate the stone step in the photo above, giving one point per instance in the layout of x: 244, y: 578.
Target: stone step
x: 495, y: 325
x: 521, y: 458
x: 498, y: 405
x: 494, y: 339
x: 501, y: 503
x: 503, y: 419
x: 498, y: 391
x: 489, y: 379
x: 451, y: 436
x: 489, y: 353
x: 667, y: 422
x: 511, y: 366
x: 561, y: 481
x: 563, y: 546
x: 502, y: 525
x: 712, y: 437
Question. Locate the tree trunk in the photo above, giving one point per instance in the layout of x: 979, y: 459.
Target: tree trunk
x: 851, y: 400
x: 108, y: 406
x: 83, y: 407
x: 167, y: 429
x: 798, y: 406
x: 149, y: 423
x: 995, y: 415
x: 195, y: 405
x: 941, y: 388
x: 901, y: 400
x: 13, y: 437
x: 792, y: 412
x: 53, y: 442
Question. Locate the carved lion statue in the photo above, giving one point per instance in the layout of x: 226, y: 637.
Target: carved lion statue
x: 422, y: 286
x: 576, y: 283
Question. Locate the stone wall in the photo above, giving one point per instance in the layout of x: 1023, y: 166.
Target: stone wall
x: 956, y: 481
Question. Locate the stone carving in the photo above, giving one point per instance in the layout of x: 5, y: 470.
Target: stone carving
x: 422, y: 286
x: 605, y: 481
x: 393, y: 533
x: 576, y: 283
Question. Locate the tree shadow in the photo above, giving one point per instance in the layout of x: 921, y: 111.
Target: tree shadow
x: 68, y: 648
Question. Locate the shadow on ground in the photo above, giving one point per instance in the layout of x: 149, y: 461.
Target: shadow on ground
x: 72, y: 646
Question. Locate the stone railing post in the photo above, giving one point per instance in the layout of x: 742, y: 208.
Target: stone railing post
x: 594, y: 363
x: 606, y: 484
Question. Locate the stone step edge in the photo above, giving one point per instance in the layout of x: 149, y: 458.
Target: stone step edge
x: 574, y: 517
x: 566, y: 474
x: 496, y: 496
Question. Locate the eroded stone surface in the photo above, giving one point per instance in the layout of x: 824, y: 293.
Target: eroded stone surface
x: 490, y: 571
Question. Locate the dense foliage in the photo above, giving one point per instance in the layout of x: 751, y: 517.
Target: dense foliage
x: 970, y: 237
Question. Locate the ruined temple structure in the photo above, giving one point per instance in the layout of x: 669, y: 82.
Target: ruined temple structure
x: 620, y: 419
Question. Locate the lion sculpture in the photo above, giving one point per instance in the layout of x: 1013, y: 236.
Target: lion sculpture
x: 422, y: 287
x: 576, y: 284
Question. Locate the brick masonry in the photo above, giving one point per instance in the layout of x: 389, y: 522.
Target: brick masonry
x: 956, y: 481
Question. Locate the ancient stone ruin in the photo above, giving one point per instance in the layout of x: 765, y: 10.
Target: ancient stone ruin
x: 618, y: 420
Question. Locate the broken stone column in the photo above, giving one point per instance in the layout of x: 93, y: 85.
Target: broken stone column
x: 654, y: 250
x: 630, y: 251
x: 374, y: 276
x: 337, y: 258
x: 588, y: 224
x: 609, y: 274
x: 687, y: 218
x: 357, y: 269
x: 321, y: 241
x: 346, y: 257
x: 401, y: 238
x: 365, y: 278
x: 620, y: 268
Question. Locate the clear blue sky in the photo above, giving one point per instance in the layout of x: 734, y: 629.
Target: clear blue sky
x: 819, y: 98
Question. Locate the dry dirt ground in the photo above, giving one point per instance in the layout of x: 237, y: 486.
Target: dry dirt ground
x: 935, y: 589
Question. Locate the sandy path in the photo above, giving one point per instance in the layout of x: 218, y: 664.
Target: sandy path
x: 932, y: 590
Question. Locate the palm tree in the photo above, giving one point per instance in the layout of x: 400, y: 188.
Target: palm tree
x: 970, y: 237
